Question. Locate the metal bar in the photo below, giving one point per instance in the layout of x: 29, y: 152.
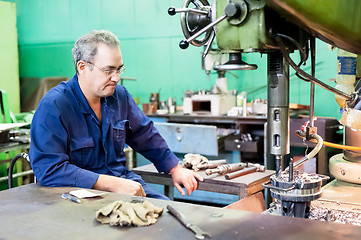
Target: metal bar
x: 206, y: 28
x: 17, y: 175
x: 312, y: 89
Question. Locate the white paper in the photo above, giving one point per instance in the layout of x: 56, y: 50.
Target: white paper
x: 83, y: 193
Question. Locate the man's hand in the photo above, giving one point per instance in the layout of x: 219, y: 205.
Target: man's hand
x: 119, y: 185
x: 186, y: 177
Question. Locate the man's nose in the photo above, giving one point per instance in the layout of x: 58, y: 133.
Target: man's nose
x: 115, y: 77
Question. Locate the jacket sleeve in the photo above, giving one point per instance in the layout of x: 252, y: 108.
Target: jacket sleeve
x: 144, y: 138
x: 48, y: 152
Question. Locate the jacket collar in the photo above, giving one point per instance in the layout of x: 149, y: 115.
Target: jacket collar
x: 83, y: 102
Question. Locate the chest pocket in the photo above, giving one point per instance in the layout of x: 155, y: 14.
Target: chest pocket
x: 119, y: 132
x: 81, y: 152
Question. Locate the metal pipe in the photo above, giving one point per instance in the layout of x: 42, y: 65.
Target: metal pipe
x: 29, y: 172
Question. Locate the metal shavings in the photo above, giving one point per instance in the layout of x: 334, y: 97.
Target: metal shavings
x: 333, y: 215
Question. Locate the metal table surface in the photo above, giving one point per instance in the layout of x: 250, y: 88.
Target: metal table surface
x: 242, y: 186
x: 35, y: 212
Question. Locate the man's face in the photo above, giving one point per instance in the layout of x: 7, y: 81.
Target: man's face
x: 94, y: 80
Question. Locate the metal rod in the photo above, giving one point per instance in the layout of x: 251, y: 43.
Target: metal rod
x: 278, y: 166
x: 312, y: 89
x: 17, y: 175
x: 209, y: 45
x: 203, y: 30
x: 191, y: 10
x: 290, y: 165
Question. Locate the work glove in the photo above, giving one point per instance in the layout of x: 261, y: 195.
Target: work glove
x: 126, y: 213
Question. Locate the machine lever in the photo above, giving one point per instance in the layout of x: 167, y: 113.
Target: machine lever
x: 185, y: 43
x: 172, y: 11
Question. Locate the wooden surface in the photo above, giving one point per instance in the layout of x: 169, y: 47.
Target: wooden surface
x: 35, y: 212
x: 242, y: 186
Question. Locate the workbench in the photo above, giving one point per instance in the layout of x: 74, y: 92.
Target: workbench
x: 35, y: 212
x: 242, y: 186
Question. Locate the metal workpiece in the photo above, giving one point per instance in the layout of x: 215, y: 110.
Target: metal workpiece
x: 249, y: 169
x: 296, y: 191
x: 211, y: 164
x: 227, y: 168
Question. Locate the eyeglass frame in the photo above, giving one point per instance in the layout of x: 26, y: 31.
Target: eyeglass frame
x: 110, y: 72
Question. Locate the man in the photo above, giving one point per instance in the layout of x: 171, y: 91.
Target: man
x: 80, y: 128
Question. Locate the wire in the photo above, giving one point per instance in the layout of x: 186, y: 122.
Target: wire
x: 312, y: 153
x: 335, y: 145
x: 306, y: 75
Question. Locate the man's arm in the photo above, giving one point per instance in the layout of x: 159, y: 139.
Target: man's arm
x: 145, y: 139
x: 119, y: 185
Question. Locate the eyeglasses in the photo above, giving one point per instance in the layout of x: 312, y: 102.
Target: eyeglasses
x: 110, y: 72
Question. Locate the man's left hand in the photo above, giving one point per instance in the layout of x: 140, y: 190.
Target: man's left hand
x: 186, y: 177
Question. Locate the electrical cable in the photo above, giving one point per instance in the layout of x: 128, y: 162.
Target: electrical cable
x: 335, y: 145
x: 11, y: 167
x: 306, y: 75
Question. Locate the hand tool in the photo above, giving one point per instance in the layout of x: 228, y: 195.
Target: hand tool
x: 222, y: 169
x: 68, y: 196
x: 200, y: 234
x: 250, y: 168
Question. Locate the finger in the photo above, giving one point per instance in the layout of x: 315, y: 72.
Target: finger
x: 199, y: 177
x: 179, y: 189
x: 194, y: 183
x: 143, y: 193
x: 188, y: 187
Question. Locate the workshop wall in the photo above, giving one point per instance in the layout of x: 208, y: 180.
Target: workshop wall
x: 9, y: 65
x: 149, y: 38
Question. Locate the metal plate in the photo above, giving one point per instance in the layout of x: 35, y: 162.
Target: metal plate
x: 190, y: 138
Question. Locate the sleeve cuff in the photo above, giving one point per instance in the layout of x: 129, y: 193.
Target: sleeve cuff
x: 167, y: 164
x: 86, y: 179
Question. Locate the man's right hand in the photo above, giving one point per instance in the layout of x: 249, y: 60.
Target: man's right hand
x: 119, y: 185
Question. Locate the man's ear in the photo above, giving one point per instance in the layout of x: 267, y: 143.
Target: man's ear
x: 80, y: 66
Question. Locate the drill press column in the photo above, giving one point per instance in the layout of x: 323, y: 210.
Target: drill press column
x: 278, y: 120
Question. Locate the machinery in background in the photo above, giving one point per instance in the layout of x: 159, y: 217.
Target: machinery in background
x: 219, y: 100
x: 277, y: 28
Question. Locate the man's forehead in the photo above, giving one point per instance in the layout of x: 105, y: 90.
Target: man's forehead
x: 109, y: 56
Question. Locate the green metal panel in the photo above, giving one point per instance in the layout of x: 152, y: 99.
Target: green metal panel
x: 333, y: 20
x: 9, y: 66
x: 9, y: 77
x: 249, y: 36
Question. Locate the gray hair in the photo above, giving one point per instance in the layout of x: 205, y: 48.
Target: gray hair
x: 85, y: 48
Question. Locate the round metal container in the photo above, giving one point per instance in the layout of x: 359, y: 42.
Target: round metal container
x: 352, y: 138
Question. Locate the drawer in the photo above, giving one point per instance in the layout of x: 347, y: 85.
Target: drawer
x: 234, y: 143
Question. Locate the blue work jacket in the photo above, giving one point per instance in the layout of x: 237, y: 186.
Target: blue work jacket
x: 71, y: 147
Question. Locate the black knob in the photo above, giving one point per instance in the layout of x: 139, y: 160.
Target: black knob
x: 171, y: 11
x: 183, y: 44
x: 233, y: 10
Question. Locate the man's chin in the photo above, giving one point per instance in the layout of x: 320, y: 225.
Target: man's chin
x: 108, y: 91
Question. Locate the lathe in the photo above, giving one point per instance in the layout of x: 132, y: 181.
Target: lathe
x: 278, y: 28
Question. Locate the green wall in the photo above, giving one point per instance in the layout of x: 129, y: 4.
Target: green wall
x: 9, y: 65
x: 149, y: 38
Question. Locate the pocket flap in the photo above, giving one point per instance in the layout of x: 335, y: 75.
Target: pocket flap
x: 121, y: 125
x: 80, y: 143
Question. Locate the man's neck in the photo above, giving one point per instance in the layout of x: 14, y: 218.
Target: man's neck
x: 94, y: 101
